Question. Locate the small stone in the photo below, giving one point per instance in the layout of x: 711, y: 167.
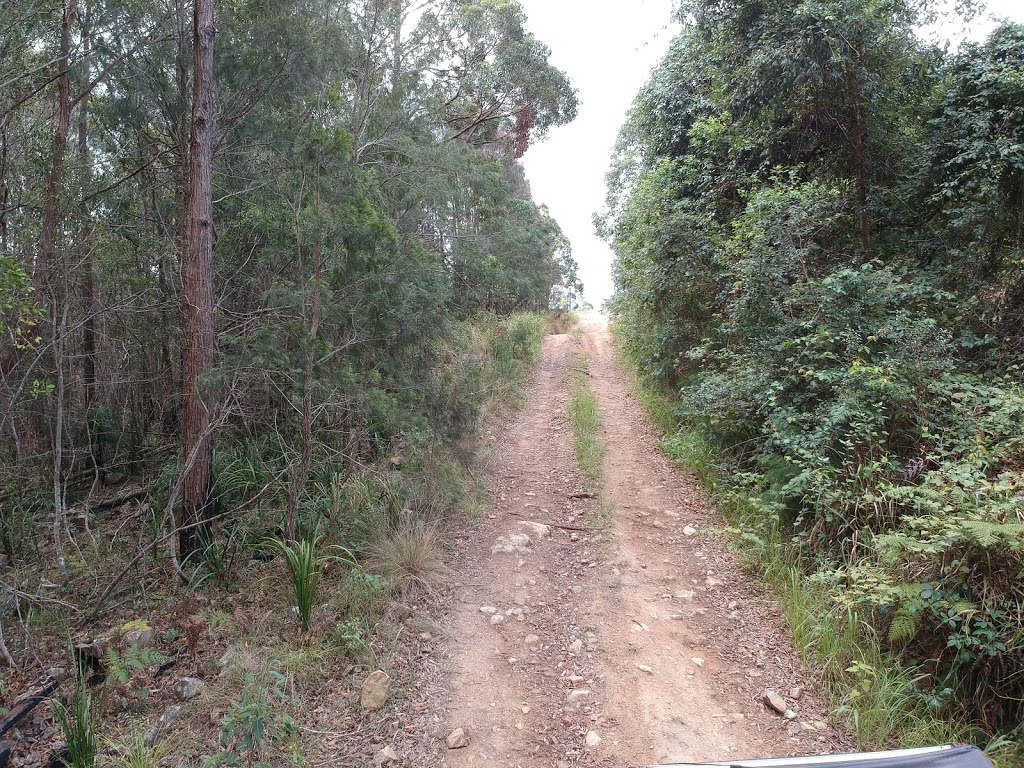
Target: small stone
x: 789, y: 714
x: 711, y: 582
x: 188, y: 688
x: 577, y: 694
x: 374, y: 692
x: 425, y: 637
x: 645, y: 668
x: 593, y: 739
x: 689, y: 530
x: 60, y: 674
x: 776, y: 702
x: 525, y: 710
x: 698, y: 661
x: 733, y: 605
x: 169, y: 716
x: 516, y: 544
x: 796, y: 692
x: 457, y: 739
x: 531, y: 639
x: 497, y: 618
x: 736, y: 716
x: 576, y: 647
x: 144, y: 637
x: 539, y: 530
x: 385, y: 756
x: 685, y: 594
x: 488, y: 609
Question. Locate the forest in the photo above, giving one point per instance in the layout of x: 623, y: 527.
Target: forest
x: 818, y: 221
x: 263, y: 268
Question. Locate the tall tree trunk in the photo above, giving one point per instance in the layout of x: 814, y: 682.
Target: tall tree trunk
x: 306, y: 459
x: 44, y: 261
x: 40, y: 275
x: 89, y: 307
x: 197, y: 286
x: 173, y: 368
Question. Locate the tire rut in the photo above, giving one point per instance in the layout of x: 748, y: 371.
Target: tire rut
x: 642, y: 643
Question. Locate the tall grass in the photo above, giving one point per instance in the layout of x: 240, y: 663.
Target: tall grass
x: 77, y: 721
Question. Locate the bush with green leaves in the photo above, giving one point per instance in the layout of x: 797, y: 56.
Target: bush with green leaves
x: 817, y: 227
x: 256, y: 728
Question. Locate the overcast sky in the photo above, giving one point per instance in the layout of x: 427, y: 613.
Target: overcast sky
x: 608, y: 47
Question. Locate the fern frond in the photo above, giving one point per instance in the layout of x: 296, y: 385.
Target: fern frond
x: 903, y: 626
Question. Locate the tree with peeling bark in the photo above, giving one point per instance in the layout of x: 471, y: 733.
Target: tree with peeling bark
x: 197, y: 293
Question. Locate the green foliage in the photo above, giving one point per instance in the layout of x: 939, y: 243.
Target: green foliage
x: 256, y: 728
x: 122, y: 667
x: 816, y: 225
x: 136, y: 750
x: 78, y: 723
x: 305, y: 566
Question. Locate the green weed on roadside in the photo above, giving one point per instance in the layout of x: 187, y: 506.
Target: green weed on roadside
x: 586, y: 425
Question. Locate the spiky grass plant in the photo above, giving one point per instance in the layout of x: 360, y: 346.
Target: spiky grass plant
x: 79, y: 726
x: 305, y: 566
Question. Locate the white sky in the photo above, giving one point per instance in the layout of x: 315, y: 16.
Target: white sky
x: 608, y: 48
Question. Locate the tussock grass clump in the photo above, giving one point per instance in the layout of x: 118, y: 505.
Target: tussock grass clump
x: 78, y: 723
x: 410, y: 556
x: 135, y: 750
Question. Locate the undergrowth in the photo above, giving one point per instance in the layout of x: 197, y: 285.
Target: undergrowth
x: 884, y: 701
x: 370, y: 540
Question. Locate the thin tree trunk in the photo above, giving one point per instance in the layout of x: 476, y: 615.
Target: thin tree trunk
x: 197, y: 278
x: 88, y: 278
x: 306, y: 459
x: 59, y: 324
x: 859, y: 158
x: 44, y: 262
x: 40, y: 275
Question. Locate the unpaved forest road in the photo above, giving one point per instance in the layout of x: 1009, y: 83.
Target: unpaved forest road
x: 646, y: 638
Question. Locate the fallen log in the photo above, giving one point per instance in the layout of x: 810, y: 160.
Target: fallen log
x: 26, y: 703
x: 138, y: 493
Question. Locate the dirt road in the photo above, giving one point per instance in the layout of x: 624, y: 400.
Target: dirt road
x: 636, y: 642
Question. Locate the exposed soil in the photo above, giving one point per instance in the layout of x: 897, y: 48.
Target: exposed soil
x: 638, y: 639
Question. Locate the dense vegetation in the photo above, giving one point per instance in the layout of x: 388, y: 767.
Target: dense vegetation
x: 309, y: 245
x: 818, y: 222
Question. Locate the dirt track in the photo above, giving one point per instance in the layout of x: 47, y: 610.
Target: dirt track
x: 637, y: 643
